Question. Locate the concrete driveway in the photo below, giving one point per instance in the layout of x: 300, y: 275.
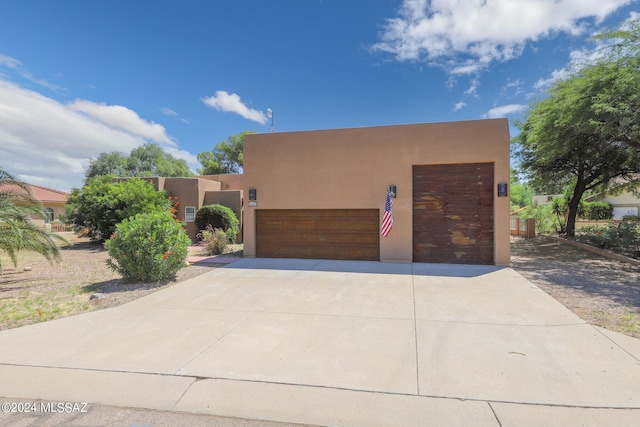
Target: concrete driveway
x: 337, y: 343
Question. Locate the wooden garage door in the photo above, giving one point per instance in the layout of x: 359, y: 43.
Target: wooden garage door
x: 318, y: 233
x: 453, y: 213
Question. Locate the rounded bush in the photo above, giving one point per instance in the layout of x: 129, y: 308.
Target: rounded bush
x: 148, y: 247
x: 211, y: 214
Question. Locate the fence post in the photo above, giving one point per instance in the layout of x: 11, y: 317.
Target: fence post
x: 531, y: 228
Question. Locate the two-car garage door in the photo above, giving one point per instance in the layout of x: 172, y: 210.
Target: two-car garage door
x: 452, y: 222
x: 351, y: 234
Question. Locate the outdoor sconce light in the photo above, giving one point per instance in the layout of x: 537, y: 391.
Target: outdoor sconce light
x: 252, y: 194
x: 391, y: 189
x: 502, y: 189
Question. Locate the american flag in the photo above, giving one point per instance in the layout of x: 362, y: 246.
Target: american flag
x: 387, y: 219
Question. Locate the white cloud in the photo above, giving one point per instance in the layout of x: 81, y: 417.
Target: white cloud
x: 168, y: 111
x: 231, y: 103
x: 17, y: 66
x: 48, y: 143
x: 483, y: 31
x: 122, y: 118
x: 459, y: 106
x: 473, y: 89
x: 555, y: 76
x: 504, y: 110
x: 9, y: 61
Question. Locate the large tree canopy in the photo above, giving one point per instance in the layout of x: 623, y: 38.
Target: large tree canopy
x: 586, y: 132
x: 226, y: 156
x: 146, y: 160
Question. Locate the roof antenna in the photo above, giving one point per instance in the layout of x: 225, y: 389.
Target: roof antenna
x: 270, y: 116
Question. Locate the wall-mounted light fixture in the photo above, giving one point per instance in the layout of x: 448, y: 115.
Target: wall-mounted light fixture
x: 252, y: 194
x: 502, y: 189
x: 391, y: 189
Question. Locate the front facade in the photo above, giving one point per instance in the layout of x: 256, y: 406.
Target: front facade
x: 191, y: 193
x: 321, y: 194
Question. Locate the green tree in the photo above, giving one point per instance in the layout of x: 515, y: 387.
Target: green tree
x: 583, y: 134
x: 113, y: 163
x: 226, y: 156
x: 101, y: 204
x: 146, y: 160
x: 521, y: 193
x: 17, y: 231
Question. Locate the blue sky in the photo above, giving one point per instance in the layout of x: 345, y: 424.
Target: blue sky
x: 78, y: 78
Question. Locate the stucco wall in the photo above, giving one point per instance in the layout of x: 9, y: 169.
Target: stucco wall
x: 228, y: 181
x: 190, y: 192
x: 351, y: 168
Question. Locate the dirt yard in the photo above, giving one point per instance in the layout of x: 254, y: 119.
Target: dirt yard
x: 601, y: 291
x: 80, y: 282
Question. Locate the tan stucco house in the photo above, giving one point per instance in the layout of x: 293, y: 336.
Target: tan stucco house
x: 321, y: 194
x: 194, y: 192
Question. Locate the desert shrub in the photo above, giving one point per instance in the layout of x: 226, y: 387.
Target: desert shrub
x: 598, y: 210
x: 102, y: 203
x: 214, y: 240
x: 218, y: 216
x: 622, y: 237
x: 148, y: 247
x: 543, y: 216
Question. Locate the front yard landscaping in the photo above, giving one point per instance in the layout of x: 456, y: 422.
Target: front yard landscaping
x: 45, y: 291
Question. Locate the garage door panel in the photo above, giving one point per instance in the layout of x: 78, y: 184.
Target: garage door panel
x: 453, y: 213
x: 318, y: 233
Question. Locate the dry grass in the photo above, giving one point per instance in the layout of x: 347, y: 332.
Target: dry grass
x: 48, y: 291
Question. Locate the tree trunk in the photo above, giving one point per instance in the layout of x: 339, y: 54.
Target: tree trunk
x: 578, y: 191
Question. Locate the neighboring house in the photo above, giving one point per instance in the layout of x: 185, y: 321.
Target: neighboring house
x: 321, y: 194
x: 624, y: 204
x: 193, y: 193
x: 52, y: 202
x: 544, y: 199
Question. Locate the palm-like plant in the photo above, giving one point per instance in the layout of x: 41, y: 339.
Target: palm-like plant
x: 17, y: 231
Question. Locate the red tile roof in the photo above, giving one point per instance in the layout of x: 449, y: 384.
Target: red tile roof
x: 44, y: 194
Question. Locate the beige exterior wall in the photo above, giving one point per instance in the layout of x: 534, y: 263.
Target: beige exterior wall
x: 190, y: 192
x: 351, y: 168
x: 229, y: 181
x: 625, y: 199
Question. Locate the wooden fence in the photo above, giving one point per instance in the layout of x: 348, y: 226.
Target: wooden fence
x: 525, y: 227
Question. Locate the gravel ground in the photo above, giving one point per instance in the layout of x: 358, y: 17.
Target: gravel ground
x: 49, y: 291
x: 601, y: 291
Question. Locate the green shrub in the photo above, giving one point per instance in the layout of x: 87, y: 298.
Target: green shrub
x: 214, y: 240
x: 102, y: 203
x: 218, y: 216
x: 148, y: 247
x: 543, y: 216
x: 622, y: 237
x: 598, y: 210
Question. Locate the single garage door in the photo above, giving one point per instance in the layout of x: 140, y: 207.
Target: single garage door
x: 453, y: 213
x: 318, y: 233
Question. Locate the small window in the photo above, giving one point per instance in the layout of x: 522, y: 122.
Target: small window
x: 189, y: 213
x: 49, y: 214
